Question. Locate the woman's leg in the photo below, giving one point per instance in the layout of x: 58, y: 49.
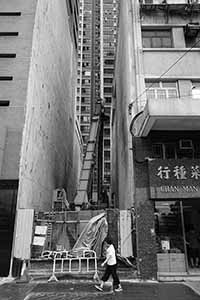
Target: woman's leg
x: 105, y: 276
x: 115, y: 277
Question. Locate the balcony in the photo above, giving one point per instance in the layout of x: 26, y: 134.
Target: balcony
x: 165, y: 2
x: 167, y: 114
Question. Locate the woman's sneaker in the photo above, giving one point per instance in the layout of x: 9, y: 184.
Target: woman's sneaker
x: 98, y: 287
x: 119, y: 289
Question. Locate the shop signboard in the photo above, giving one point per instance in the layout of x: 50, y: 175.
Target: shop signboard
x: 174, y: 178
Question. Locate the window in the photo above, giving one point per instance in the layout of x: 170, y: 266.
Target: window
x: 192, y: 35
x: 106, y: 155
x: 86, y: 81
x: 107, y: 143
x: 156, y: 38
x: 85, y: 119
x: 108, y: 100
x: 85, y: 129
x: 85, y: 109
x: 107, y: 179
x: 106, y: 131
x: 175, y: 150
x: 108, y: 90
x: 164, y: 150
x: 109, y: 62
x: 107, y: 110
x: 107, y: 167
x: 168, y: 227
x: 85, y: 100
x: 161, y: 90
x: 108, y: 71
x: 196, y: 89
x: 108, y: 80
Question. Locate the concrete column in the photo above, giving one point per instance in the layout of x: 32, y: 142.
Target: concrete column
x: 3, y: 132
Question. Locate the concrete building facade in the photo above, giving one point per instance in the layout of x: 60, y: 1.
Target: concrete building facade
x: 156, y: 132
x: 40, y: 139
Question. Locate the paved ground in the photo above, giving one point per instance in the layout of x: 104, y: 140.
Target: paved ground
x: 86, y: 291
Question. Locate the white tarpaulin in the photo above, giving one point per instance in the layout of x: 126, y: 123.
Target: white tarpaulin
x: 93, y: 234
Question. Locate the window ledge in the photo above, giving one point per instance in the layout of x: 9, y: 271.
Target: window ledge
x: 170, y: 49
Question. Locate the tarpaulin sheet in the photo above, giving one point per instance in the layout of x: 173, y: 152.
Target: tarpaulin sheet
x: 93, y: 234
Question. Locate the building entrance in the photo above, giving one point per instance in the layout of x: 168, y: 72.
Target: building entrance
x: 8, y: 198
x: 177, y: 228
x: 191, y: 215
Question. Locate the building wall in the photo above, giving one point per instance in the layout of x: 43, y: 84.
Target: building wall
x: 122, y: 171
x: 12, y: 116
x: 134, y: 65
x: 49, y: 132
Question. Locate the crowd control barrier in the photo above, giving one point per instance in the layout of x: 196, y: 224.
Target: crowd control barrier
x: 75, y: 262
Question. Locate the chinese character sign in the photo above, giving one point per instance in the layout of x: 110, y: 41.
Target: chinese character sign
x: 178, y: 172
x: 174, y: 178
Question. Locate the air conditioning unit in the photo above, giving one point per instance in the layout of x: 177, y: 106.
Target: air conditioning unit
x: 192, y: 29
x: 169, y: 1
x: 185, y: 145
x: 193, y: 1
x: 177, y: 1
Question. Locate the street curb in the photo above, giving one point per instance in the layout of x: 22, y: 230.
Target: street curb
x: 188, y: 284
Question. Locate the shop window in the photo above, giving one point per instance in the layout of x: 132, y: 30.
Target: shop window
x: 161, y: 89
x: 168, y: 226
x: 156, y: 38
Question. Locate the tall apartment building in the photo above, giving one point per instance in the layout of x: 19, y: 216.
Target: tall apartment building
x: 40, y: 148
x: 156, y: 132
x: 97, y: 42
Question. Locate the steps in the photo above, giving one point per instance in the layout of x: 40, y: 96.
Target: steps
x: 41, y: 269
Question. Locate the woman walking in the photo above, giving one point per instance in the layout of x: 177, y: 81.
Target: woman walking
x: 111, y: 267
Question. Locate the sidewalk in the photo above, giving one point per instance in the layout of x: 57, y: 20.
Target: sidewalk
x: 85, y: 290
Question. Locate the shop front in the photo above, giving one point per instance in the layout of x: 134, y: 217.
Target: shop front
x: 175, y: 190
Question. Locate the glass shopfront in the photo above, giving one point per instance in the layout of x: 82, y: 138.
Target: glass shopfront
x: 177, y: 226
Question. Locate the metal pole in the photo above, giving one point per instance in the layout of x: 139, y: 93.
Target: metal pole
x: 184, y: 237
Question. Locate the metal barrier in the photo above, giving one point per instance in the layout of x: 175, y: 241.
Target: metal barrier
x: 75, y: 262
